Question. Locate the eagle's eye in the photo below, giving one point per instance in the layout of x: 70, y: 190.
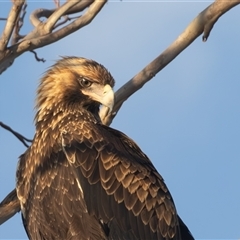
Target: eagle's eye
x: 85, y: 82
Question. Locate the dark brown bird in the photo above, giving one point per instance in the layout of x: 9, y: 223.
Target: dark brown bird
x: 82, y: 180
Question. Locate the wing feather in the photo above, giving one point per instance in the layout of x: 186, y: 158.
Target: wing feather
x: 56, y: 208
x: 118, y: 195
x: 119, y: 180
x: 129, y: 199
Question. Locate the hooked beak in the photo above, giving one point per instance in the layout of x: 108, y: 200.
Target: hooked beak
x: 108, y: 97
x: 103, y: 95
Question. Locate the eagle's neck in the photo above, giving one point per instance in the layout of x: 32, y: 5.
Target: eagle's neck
x: 50, y: 125
x: 47, y: 143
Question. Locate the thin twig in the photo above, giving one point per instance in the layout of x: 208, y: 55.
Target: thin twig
x: 16, y: 134
x: 36, y: 56
x: 57, y: 3
x: 66, y: 19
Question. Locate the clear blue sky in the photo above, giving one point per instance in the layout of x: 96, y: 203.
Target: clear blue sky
x: 187, y: 119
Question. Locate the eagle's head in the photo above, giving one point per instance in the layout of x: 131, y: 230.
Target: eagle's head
x: 74, y: 83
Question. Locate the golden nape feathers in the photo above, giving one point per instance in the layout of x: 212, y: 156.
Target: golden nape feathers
x: 82, y: 180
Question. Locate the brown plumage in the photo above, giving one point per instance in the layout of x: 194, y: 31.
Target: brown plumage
x: 82, y: 180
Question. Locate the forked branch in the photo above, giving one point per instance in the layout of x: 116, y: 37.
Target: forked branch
x: 46, y: 33
x: 19, y: 136
x: 10, y: 23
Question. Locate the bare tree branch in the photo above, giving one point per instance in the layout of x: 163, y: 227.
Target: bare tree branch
x: 46, y: 39
x: 203, y: 23
x: 9, y: 206
x: 16, y: 34
x: 10, y: 24
x: 52, y: 20
x: 37, y: 14
x: 38, y: 37
x: 80, y: 6
x: 211, y: 14
x: 16, y: 134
